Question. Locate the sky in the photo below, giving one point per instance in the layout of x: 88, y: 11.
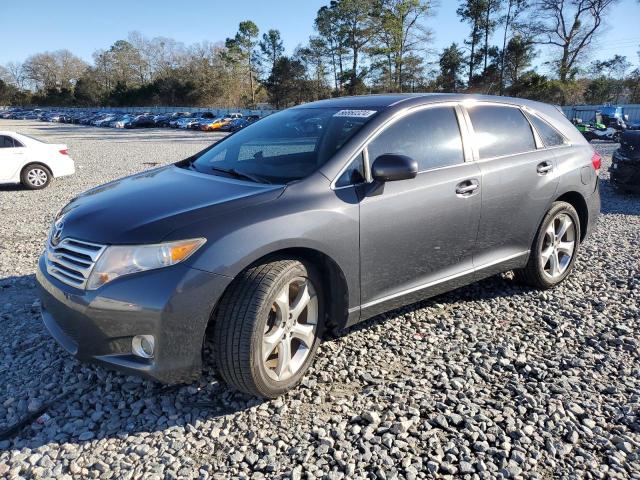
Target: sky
x: 84, y: 26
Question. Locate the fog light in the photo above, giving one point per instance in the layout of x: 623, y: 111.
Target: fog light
x: 143, y: 345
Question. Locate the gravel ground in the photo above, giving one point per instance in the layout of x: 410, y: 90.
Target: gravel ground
x: 492, y: 380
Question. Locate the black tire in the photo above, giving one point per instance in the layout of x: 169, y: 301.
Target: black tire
x: 32, y: 176
x: 533, y: 273
x: 246, y: 311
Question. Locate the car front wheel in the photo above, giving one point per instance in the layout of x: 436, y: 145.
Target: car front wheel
x: 554, y: 249
x: 35, y: 177
x: 268, y: 327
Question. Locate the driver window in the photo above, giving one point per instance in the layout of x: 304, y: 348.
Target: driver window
x: 430, y: 136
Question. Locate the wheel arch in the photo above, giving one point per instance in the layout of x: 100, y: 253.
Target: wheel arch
x: 577, y: 201
x: 334, y: 282
x: 41, y: 164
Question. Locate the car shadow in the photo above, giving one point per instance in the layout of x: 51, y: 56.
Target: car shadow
x: 36, y: 372
x: 11, y: 187
x: 111, y: 404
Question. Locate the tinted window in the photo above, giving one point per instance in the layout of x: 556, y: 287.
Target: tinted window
x: 550, y: 136
x: 501, y: 130
x: 430, y: 136
x: 6, y: 142
x: 353, y: 174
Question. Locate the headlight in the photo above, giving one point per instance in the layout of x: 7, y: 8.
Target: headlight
x: 118, y: 260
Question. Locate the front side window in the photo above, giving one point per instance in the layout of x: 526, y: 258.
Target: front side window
x: 549, y: 135
x: 282, y: 147
x: 501, y: 130
x: 430, y: 136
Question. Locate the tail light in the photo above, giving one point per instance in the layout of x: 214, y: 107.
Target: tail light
x: 64, y: 152
x: 596, y: 161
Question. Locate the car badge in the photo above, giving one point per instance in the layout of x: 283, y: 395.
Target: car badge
x: 57, y: 233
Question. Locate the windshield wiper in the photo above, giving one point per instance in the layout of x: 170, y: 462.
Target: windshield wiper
x: 235, y: 173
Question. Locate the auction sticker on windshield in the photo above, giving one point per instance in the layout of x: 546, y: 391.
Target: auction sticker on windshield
x: 354, y: 113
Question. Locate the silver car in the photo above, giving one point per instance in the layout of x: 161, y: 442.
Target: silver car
x: 316, y: 217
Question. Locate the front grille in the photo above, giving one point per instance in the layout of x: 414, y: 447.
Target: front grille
x: 71, y: 260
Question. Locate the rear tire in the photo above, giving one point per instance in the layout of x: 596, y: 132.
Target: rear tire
x: 35, y: 177
x: 554, y: 249
x: 268, y: 327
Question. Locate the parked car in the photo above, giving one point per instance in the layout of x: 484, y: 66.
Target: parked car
x: 625, y: 163
x: 234, y: 125
x: 31, y: 162
x: 319, y: 216
x: 215, y: 124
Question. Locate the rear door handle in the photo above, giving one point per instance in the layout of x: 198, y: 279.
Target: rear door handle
x: 466, y: 188
x: 544, y: 168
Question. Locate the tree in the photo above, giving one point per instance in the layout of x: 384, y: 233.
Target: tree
x: 313, y: 57
x: 286, y: 84
x: 53, y: 70
x: 451, y: 65
x: 489, y: 24
x: 242, y: 48
x: 609, y: 80
x: 570, y: 26
x: 327, y: 26
x: 517, y: 58
x: 16, y: 74
x: 515, y: 8
x: 401, y: 35
x: 355, y: 30
x: 272, y: 47
x: 473, y: 12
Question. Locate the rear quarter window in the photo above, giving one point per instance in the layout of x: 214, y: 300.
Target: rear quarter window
x: 501, y: 130
x: 549, y: 135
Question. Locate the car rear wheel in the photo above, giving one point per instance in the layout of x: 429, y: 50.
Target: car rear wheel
x: 35, y: 177
x: 268, y: 327
x: 554, y: 249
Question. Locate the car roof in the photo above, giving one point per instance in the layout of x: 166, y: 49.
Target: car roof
x: 387, y: 101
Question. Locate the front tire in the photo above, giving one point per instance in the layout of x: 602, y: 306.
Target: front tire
x: 268, y: 327
x: 35, y: 177
x: 555, y: 248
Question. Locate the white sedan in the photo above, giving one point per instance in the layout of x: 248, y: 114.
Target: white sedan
x: 33, y: 163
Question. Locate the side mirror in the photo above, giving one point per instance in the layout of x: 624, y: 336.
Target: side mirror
x: 391, y: 167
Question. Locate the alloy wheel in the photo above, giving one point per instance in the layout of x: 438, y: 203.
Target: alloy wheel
x: 558, y: 246
x: 290, y: 330
x: 37, y: 177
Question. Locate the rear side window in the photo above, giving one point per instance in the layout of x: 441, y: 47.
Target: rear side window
x: 430, y: 136
x: 6, y: 142
x: 550, y: 136
x: 501, y: 130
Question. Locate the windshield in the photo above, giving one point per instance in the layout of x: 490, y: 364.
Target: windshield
x: 282, y: 147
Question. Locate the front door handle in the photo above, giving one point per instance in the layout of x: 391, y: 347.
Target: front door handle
x: 467, y: 188
x: 544, y: 168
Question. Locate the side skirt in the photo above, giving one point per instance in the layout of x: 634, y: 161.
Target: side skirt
x: 431, y: 289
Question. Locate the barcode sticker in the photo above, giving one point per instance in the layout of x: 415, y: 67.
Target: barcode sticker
x: 354, y: 113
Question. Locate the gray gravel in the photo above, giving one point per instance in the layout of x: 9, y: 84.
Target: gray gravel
x: 492, y: 380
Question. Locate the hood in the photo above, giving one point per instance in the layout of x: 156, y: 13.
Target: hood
x: 146, y: 207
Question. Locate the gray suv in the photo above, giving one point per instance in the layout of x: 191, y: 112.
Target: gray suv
x: 316, y: 217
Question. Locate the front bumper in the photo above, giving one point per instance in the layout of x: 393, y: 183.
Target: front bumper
x: 173, y: 304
